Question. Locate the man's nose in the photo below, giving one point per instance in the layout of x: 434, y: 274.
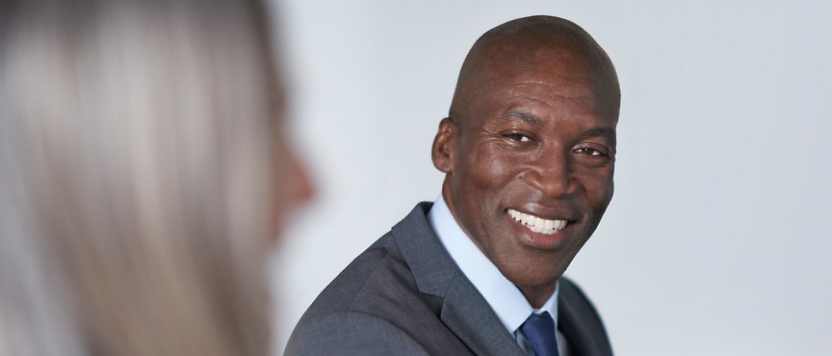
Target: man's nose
x: 552, y: 174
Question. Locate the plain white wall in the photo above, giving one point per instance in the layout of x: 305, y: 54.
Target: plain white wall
x: 719, y: 236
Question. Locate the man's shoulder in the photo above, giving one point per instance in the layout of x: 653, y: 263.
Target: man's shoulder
x: 374, y: 306
x: 377, y: 271
x: 357, y: 313
x: 381, y: 277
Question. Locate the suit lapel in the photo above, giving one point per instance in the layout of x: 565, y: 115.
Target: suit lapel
x: 470, y: 317
x: 464, y: 310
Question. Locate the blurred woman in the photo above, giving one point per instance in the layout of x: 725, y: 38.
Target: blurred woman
x: 143, y: 175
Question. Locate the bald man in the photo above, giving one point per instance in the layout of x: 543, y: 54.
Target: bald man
x: 528, y: 153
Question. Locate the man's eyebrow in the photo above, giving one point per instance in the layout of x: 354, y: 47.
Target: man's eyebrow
x: 525, y: 117
x: 600, y: 132
x: 532, y: 119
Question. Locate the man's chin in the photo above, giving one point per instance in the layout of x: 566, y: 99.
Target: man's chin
x: 534, y: 271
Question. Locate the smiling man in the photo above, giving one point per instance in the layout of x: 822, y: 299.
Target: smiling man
x: 529, y: 152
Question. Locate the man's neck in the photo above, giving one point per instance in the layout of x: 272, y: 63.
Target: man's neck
x: 537, y: 296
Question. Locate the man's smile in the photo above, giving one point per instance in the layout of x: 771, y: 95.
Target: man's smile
x: 537, y: 224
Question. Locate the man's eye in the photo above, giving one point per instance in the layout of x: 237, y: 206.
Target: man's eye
x: 590, y: 151
x: 519, y: 137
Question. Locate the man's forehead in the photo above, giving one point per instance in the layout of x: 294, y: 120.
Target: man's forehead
x: 560, y: 61
x: 546, y: 86
x: 544, y: 55
x: 554, y: 74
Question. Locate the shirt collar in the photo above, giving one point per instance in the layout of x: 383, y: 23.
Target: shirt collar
x: 503, y: 296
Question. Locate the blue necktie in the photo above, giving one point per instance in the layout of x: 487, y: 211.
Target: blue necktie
x: 539, y: 330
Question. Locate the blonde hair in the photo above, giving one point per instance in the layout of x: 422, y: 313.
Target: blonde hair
x: 136, y: 157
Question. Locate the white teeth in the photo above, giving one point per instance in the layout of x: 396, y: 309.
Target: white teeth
x: 537, y: 224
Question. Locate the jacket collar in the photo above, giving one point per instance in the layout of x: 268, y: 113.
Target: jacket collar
x: 579, y: 323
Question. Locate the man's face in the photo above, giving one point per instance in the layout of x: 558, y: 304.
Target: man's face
x: 530, y: 172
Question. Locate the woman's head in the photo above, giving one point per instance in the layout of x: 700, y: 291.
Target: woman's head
x: 142, y: 164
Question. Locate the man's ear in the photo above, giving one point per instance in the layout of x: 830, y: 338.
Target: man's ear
x: 444, y: 145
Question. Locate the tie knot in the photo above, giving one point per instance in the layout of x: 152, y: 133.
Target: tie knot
x: 539, y: 330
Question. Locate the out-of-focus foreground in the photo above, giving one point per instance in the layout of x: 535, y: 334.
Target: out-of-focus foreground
x: 143, y: 174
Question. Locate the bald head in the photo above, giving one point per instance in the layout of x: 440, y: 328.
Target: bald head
x: 528, y: 44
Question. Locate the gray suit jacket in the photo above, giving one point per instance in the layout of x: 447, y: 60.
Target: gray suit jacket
x: 405, y: 296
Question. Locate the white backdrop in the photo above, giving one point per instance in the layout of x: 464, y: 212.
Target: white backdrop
x: 718, y: 239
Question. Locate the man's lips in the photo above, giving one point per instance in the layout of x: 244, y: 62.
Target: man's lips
x: 537, y: 224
